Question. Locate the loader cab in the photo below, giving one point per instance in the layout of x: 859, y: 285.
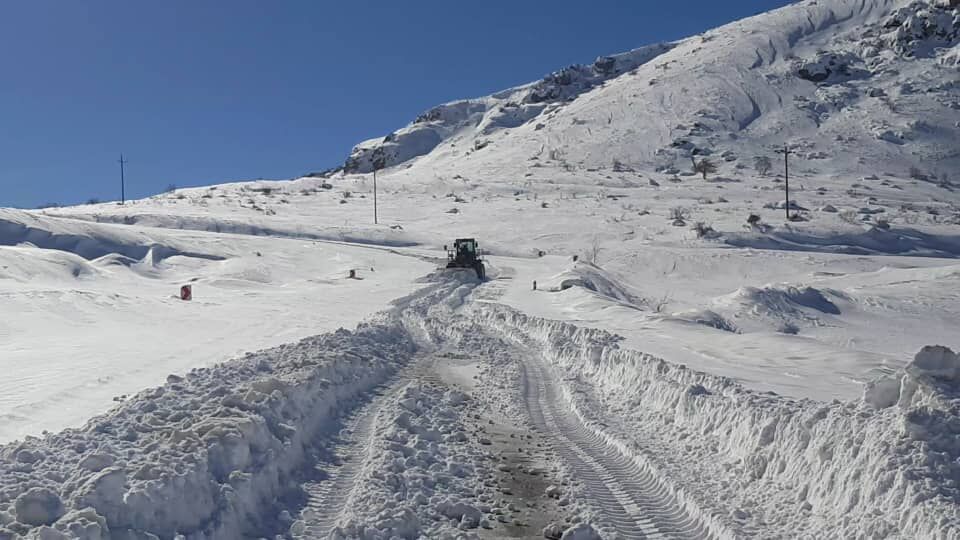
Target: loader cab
x: 465, y: 254
x: 464, y: 250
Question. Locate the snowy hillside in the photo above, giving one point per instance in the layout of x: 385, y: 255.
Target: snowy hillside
x: 855, y: 87
x: 658, y: 352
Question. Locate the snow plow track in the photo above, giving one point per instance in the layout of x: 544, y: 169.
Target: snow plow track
x: 627, y: 498
x: 327, y: 498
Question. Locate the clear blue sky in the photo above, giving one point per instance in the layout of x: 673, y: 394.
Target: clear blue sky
x: 199, y: 92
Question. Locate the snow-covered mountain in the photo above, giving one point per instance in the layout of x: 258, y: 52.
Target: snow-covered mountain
x: 657, y: 353
x: 856, y: 87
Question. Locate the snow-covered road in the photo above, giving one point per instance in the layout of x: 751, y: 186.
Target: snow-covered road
x: 445, y: 417
x: 622, y: 498
x: 627, y: 497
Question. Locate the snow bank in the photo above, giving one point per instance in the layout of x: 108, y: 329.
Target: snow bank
x: 84, y: 239
x: 930, y: 381
x: 354, y: 234
x: 757, y: 460
x: 203, y: 455
x: 874, y: 241
x: 779, y: 306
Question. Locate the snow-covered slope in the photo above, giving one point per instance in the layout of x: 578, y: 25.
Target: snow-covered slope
x: 855, y: 86
x: 702, y: 325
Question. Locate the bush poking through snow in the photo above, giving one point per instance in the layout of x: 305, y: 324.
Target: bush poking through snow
x: 704, y: 167
x: 679, y: 216
x: 762, y: 164
x: 702, y: 230
x: 789, y: 327
x: 592, y: 254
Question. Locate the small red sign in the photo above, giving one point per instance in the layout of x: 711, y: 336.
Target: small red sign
x: 186, y: 292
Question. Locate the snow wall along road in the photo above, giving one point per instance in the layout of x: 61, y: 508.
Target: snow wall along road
x: 206, y: 455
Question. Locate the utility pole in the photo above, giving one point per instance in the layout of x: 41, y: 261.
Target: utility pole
x: 123, y: 188
x: 786, y: 177
x: 374, y: 195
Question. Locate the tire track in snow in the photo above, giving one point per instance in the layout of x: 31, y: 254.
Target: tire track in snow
x: 328, y: 498
x: 627, y: 498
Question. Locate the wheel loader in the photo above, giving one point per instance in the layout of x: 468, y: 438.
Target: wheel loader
x: 466, y: 254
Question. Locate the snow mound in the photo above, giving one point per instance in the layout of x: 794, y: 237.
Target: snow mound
x: 27, y: 263
x: 930, y: 381
x: 936, y: 362
x: 781, y: 308
x: 705, y: 317
x: 786, y: 300
x: 590, y: 277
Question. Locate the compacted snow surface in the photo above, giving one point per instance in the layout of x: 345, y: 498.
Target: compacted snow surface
x: 691, y: 374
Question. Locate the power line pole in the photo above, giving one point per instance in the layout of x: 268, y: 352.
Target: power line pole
x: 123, y: 188
x: 786, y: 177
x: 374, y: 195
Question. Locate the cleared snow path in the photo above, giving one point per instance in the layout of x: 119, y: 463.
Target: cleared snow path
x: 627, y: 497
x: 327, y: 498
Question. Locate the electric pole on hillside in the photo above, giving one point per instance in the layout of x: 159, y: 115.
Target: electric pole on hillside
x: 786, y: 177
x: 378, y: 161
x: 123, y: 188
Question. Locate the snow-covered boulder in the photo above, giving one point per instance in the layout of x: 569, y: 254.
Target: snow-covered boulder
x: 829, y: 67
x: 889, y: 135
x: 553, y: 531
x: 581, y: 531
x: 468, y: 515
x: 921, y: 28
x: 882, y: 392
x: 85, y: 524
x: 38, y: 506
x: 936, y: 361
x: 930, y: 380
